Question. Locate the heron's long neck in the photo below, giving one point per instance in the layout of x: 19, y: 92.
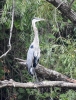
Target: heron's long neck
x: 36, y: 38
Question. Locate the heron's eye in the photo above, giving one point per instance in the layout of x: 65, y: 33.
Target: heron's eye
x: 31, y: 46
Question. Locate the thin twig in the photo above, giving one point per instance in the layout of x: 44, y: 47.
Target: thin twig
x: 59, y: 5
x: 11, y: 28
x: 18, y: 59
x: 58, y: 25
x: 71, y: 4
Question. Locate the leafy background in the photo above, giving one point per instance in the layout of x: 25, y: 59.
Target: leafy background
x: 57, y: 43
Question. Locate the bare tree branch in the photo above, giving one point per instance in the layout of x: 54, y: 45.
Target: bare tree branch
x: 11, y: 28
x: 64, y: 8
x: 12, y: 83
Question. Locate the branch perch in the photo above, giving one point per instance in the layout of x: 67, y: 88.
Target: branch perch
x: 48, y: 73
x: 11, y: 28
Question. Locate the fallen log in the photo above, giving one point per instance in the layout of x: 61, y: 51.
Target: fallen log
x: 12, y: 83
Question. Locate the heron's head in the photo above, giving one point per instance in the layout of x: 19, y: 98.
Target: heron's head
x: 37, y: 19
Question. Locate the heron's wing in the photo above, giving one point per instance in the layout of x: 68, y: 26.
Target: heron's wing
x: 30, y: 57
x: 36, y: 57
x: 35, y: 61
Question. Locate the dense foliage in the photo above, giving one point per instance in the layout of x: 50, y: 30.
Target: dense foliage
x: 57, y: 43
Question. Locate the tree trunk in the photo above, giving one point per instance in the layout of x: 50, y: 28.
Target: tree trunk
x: 64, y: 9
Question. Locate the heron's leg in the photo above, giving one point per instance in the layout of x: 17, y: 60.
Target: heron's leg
x: 33, y: 78
x: 33, y: 74
x: 36, y: 77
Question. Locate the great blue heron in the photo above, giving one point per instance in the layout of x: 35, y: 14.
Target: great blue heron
x: 33, y: 54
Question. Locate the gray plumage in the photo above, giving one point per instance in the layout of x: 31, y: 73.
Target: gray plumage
x: 33, y: 53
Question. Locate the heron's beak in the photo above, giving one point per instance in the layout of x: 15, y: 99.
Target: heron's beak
x: 38, y: 19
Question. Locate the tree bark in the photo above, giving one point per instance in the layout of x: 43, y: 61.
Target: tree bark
x: 52, y: 74
x: 64, y: 9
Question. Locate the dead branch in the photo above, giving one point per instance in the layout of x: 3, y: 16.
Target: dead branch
x: 48, y: 74
x: 64, y: 8
x: 12, y: 83
x: 21, y: 60
x: 11, y: 28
